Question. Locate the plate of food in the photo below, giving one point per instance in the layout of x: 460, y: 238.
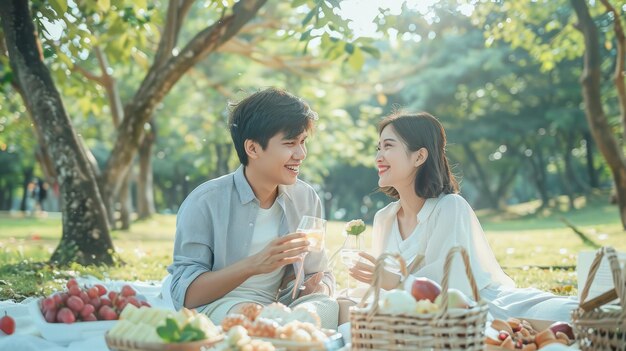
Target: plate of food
x: 156, y: 329
x: 297, y: 329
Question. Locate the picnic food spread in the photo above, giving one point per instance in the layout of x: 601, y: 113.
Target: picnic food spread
x: 520, y: 334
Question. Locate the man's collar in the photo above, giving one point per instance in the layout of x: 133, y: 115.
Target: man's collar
x: 243, y: 187
x: 246, y: 194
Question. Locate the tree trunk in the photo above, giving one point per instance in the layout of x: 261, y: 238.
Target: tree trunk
x: 504, y: 185
x: 85, y: 237
x: 145, y: 183
x: 28, y: 177
x: 565, y: 181
x: 570, y: 172
x: 594, y: 111
x: 539, y: 176
x: 482, y: 179
x: 161, y: 77
x: 592, y: 172
x: 126, y: 205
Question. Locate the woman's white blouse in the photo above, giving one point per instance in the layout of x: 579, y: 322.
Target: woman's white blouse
x: 442, y: 223
x: 449, y: 221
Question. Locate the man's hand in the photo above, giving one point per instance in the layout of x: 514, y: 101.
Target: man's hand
x: 278, y: 253
x: 364, y: 272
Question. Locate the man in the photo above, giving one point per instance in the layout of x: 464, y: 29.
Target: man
x: 232, y: 243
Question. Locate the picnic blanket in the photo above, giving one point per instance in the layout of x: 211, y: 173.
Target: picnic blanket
x: 27, y: 337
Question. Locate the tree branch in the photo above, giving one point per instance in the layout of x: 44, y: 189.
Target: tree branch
x: 618, y: 77
x: 87, y: 74
x: 108, y: 82
x: 160, y: 79
x: 176, y: 12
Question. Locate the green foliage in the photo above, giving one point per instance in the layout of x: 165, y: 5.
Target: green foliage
x: 172, y: 332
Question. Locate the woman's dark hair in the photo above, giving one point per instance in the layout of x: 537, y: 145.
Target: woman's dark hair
x: 266, y: 113
x: 421, y: 130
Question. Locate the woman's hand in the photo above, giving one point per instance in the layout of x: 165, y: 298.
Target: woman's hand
x: 278, y: 253
x: 363, y: 271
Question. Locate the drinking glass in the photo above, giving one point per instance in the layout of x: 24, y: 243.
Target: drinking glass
x: 315, y: 229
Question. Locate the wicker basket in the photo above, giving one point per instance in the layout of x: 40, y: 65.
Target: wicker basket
x: 449, y: 329
x: 602, y: 328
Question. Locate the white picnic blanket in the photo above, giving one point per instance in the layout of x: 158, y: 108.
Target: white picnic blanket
x: 27, y: 336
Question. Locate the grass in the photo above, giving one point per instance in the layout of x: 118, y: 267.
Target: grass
x: 525, y: 242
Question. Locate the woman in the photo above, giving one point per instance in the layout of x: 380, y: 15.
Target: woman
x: 430, y: 217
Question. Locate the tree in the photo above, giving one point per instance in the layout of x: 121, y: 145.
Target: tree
x: 86, y: 236
x: 592, y: 94
x: 540, y: 27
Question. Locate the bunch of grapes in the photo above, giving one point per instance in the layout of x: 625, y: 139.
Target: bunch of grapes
x: 88, y: 303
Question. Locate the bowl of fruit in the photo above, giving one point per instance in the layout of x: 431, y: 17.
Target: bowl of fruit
x: 81, y: 312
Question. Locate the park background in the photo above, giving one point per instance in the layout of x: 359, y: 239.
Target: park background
x: 531, y: 94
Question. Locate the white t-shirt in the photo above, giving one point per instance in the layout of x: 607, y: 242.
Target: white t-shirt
x: 264, y: 286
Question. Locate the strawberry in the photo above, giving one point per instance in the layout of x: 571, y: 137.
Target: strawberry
x: 7, y: 324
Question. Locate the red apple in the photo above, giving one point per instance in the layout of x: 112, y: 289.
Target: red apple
x: 425, y: 289
x: 563, y: 327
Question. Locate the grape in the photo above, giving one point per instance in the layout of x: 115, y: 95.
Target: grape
x: 87, y: 310
x: 74, y: 290
x: 145, y: 303
x: 127, y: 290
x: 93, y: 292
x: 112, y: 295
x: 71, y: 282
x: 133, y: 301
x: 121, y: 304
x: 64, y: 297
x: 84, y: 296
x: 75, y: 303
x: 105, y: 302
x: 65, y: 315
x: 57, y: 299
x: 101, y: 289
x: 51, y: 316
x: 96, y: 302
x: 107, y: 313
x: 48, y: 304
x: 90, y: 318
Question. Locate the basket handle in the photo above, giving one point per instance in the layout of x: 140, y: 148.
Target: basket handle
x: 446, y: 275
x: 379, y: 270
x: 611, y: 255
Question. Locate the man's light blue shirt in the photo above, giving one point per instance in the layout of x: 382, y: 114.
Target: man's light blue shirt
x: 215, y: 223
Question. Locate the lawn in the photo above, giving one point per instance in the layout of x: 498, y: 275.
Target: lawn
x: 527, y: 243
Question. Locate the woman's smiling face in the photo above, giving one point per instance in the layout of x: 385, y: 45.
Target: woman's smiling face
x: 396, y: 164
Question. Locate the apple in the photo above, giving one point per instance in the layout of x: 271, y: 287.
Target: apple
x: 456, y: 299
x: 563, y: 327
x: 397, y: 301
x: 425, y: 289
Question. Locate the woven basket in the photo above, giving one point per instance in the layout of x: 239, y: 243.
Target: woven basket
x: 449, y: 329
x: 602, y: 328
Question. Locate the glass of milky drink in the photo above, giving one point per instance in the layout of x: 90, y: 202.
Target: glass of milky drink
x: 315, y: 229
